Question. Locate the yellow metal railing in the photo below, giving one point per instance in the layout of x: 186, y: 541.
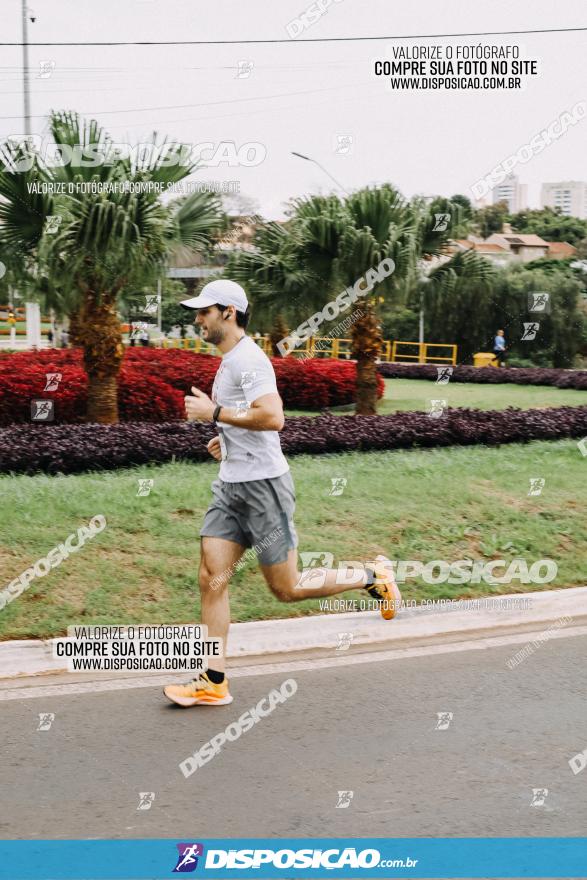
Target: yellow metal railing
x: 390, y: 352
x: 424, y: 355
x: 326, y: 346
x: 194, y: 344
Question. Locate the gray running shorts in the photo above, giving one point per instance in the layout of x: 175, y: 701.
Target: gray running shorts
x: 257, y: 514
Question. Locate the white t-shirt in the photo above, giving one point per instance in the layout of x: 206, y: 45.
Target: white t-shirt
x: 245, y: 374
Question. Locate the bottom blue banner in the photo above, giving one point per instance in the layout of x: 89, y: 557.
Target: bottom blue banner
x: 294, y: 857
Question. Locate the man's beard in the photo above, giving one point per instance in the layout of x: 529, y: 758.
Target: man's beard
x: 215, y: 335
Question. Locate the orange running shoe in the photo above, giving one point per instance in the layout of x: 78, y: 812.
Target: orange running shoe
x: 199, y: 692
x: 384, y: 587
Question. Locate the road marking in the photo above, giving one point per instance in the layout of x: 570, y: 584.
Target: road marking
x: 482, y: 644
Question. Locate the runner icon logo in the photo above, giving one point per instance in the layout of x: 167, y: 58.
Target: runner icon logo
x: 444, y: 374
x: 539, y: 302
x: 314, y: 567
x: 42, y: 410
x: 242, y: 408
x: 146, y: 799
x: 539, y: 795
x: 344, y: 641
x: 244, y: 68
x: 536, y: 485
x: 53, y: 380
x: 441, y: 222
x: 530, y: 331
x: 338, y: 485
x: 46, y: 68
x: 151, y: 304
x: 52, y: 223
x: 248, y: 378
x: 444, y: 719
x: 46, y: 719
x: 437, y: 408
x: 344, y: 145
x: 187, y: 860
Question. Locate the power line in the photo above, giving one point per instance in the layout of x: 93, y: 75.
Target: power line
x: 203, y: 104
x: 302, y: 39
x: 248, y: 112
x: 17, y: 68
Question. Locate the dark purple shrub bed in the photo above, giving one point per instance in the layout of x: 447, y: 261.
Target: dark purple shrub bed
x: 75, y: 448
x: 457, y: 427
x: 490, y: 375
x: 71, y: 449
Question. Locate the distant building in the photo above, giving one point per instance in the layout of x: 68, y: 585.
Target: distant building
x: 240, y: 236
x: 513, y: 192
x: 523, y: 248
x: 569, y: 196
x: 507, y: 247
x: 560, y: 250
x: 497, y: 254
x: 189, y: 266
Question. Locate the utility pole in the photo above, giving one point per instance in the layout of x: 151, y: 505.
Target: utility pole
x: 25, y: 70
x: 424, y: 280
x: 322, y: 168
x: 159, y: 305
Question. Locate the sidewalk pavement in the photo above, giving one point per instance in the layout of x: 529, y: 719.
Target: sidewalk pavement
x: 270, y: 641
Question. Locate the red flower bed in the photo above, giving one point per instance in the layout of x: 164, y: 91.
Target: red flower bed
x: 22, y: 382
x: 143, y: 397
x: 153, y: 382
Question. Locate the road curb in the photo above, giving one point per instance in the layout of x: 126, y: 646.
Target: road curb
x: 269, y: 641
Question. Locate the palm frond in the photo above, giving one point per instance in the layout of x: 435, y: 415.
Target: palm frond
x: 23, y: 211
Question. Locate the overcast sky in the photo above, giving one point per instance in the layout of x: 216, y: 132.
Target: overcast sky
x: 302, y: 96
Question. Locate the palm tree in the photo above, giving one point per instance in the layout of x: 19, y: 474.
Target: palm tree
x: 455, y: 295
x: 330, y: 243
x: 327, y: 245
x: 276, y: 278
x: 378, y: 224
x: 107, y: 242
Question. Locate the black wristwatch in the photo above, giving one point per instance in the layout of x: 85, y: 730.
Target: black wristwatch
x: 216, y: 414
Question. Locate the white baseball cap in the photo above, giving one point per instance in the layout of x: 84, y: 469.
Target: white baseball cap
x: 222, y: 291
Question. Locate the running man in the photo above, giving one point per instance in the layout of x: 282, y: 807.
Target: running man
x: 253, y: 498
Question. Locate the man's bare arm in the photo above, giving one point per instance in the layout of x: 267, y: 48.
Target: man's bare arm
x: 265, y: 414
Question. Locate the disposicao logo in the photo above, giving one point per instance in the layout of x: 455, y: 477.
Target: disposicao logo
x: 187, y: 861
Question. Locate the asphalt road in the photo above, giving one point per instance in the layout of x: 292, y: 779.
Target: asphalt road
x: 368, y: 728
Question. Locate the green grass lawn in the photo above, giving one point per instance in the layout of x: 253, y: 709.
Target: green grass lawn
x: 449, y: 504
x: 414, y: 394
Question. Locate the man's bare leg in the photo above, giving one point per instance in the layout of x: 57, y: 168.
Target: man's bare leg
x: 218, y: 559
x: 287, y: 582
